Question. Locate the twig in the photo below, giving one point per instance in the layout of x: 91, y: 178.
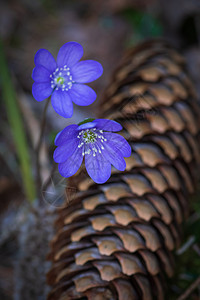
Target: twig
x: 187, y: 245
x: 38, y: 147
x: 191, y: 288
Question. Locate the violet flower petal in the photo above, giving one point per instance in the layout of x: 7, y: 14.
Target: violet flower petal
x: 72, y: 164
x: 63, y: 152
x: 44, y: 58
x: 86, y: 71
x: 67, y: 133
x: 97, y: 167
x: 119, y: 142
x: 62, y: 103
x: 41, y: 74
x: 114, y: 156
x: 69, y: 54
x: 82, y: 94
x: 87, y: 125
x: 108, y: 125
x: 41, y: 90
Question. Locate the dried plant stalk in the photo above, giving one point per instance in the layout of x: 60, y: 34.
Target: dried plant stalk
x: 115, y: 240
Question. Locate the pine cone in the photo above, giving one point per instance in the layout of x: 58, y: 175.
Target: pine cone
x: 115, y: 240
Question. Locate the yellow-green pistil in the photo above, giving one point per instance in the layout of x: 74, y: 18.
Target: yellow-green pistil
x: 60, y: 80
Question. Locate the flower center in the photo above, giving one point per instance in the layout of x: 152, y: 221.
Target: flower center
x: 61, y: 78
x: 91, y: 136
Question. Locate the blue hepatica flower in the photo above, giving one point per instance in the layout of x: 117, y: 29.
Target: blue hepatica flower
x: 65, y: 79
x: 95, y: 141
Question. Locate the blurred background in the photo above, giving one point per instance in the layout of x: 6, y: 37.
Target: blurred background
x: 105, y: 29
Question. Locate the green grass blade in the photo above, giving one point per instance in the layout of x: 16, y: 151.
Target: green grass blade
x: 16, y: 124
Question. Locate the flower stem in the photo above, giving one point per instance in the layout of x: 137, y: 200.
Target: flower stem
x: 38, y: 149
